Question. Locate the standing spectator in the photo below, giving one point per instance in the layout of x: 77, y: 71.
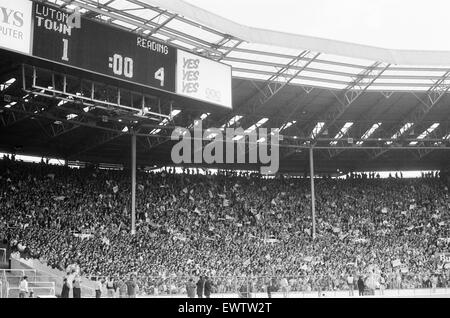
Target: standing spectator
x: 361, y: 286
x: 65, y: 289
x: 98, y: 288
x: 208, y: 287
x: 23, y: 287
x: 245, y: 290
x: 123, y: 289
x: 321, y: 285
x: 110, y: 287
x: 398, y: 280
x: 200, y: 287
x: 350, y: 282
x: 434, y: 281
x: 382, y: 284
x: 269, y: 289
x: 77, y: 286
x: 284, y: 287
x: 131, y: 287
x: 70, y: 278
x: 190, y: 288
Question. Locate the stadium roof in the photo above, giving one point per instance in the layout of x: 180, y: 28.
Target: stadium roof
x: 284, y: 77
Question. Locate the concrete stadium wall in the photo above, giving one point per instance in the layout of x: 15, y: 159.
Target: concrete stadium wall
x: 46, y: 273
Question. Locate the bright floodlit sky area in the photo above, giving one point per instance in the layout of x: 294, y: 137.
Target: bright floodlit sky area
x: 395, y: 24
x: 383, y: 174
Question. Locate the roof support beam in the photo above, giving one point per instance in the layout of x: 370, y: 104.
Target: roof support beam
x: 424, y: 152
x: 142, y: 23
x: 8, y: 119
x: 353, y: 91
x: 280, y: 79
x: 426, y: 103
x: 234, y: 44
x: 368, y: 118
x: 274, y: 84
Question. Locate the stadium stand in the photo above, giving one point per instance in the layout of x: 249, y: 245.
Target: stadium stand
x: 124, y: 223
x: 230, y: 227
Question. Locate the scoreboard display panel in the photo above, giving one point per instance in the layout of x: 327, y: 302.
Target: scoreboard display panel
x: 99, y: 48
x: 43, y: 31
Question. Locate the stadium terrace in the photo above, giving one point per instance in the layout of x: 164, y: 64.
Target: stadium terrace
x: 153, y: 149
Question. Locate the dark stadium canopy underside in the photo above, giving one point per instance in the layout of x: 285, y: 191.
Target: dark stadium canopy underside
x: 359, y: 115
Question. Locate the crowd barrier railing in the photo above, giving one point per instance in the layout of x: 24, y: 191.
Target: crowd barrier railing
x: 175, y: 286
x: 232, y: 290
x: 30, y: 273
x: 43, y: 286
x: 231, y: 287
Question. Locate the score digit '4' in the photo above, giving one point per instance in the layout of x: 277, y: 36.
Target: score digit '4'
x: 159, y: 75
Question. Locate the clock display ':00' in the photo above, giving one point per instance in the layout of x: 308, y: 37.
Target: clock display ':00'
x: 121, y: 66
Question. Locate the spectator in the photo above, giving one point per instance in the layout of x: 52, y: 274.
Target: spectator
x: 132, y: 287
x: 110, y: 290
x: 123, y: 289
x: 284, y: 287
x: 216, y: 223
x: 77, y: 286
x: 350, y: 282
x: 361, y: 286
x: 98, y: 288
x: 434, y: 281
x: 382, y: 284
x: 200, y: 287
x: 270, y: 289
x: 23, y: 287
x: 190, y: 288
x: 65, y: 289
x: 208, y: 287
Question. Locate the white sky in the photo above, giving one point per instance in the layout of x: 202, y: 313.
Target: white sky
x: 396, y: 24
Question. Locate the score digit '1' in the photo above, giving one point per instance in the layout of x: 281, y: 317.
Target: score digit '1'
x: 65, y: 56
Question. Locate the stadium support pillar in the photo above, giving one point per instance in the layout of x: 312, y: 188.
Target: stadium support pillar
x: 133, y: 184
x: 313, y: 194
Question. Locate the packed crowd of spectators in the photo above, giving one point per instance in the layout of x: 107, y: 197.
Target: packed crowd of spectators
x: 233, y: 227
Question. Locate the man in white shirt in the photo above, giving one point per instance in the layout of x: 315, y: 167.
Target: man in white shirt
x: 350, y: 284
x: 284, y: 287
x: 23, y: 287
x: 98, y: 288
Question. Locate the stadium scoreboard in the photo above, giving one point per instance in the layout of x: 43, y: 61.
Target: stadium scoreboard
x: 43, y: 31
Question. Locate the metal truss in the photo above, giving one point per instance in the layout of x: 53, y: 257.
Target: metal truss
x: 274, y: 84
x: 272, y: 87
x: 9, y: 118
x: 425, y: 104
x: 280, y: 79
x: 368, y: 117
x: 151, y: 143
x: 440, y: 144
x: 88, y: 93
x: 146, y: 25
x: 232, y: 44
x: 219, y: 53
x: 167, y: 26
